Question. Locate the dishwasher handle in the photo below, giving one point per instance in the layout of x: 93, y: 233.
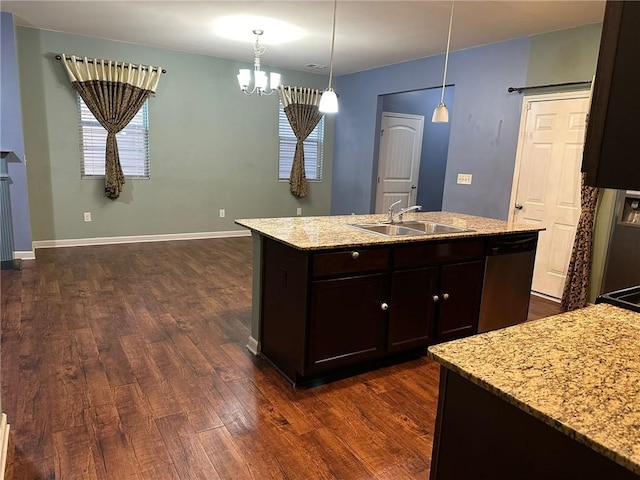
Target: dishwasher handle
x: 512, y: 244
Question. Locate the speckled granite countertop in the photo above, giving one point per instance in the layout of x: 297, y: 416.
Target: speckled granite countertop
x: 578, y: 372
x: 313, y: 233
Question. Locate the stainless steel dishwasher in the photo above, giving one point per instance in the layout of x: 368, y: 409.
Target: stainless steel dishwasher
x: 507, y: 281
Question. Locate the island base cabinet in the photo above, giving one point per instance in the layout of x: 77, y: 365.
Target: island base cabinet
x: 412, y: 309
x: 459, y: 300
x: 480, y: 436
x: 347, y: 322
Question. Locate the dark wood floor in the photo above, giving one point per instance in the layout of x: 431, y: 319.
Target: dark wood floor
x: 128, y: 362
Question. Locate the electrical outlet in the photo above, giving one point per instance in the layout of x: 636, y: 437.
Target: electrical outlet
x: 299, y: 211
x: 222, y: 213
x: 87, y: 216
x: 465, y: 178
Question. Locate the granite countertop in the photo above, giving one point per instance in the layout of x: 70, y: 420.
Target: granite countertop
x: 314, y: 233
x: 578, y: 372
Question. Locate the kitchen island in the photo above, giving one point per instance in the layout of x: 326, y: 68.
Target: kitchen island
x: 556, y: 398
x: 328, y: 296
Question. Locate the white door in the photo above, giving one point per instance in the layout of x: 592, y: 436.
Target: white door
x: 547, y: 188
x: 399, y: 160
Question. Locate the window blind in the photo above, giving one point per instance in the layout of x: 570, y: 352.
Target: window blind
x: 133, y: 144
x: 287, y: 147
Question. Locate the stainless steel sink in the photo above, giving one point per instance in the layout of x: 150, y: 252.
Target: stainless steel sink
x: 410, y: 228
x: 390, y: 230
x: 434, y: 228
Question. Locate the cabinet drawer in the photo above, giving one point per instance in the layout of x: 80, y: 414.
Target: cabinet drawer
x: 424, y: 254
x: 350, y: 261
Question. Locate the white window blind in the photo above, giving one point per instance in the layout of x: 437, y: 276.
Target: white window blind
x: 133, y: 144
x: 312, y: 149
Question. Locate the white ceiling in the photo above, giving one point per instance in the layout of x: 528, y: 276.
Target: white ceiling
x: 369, y: 34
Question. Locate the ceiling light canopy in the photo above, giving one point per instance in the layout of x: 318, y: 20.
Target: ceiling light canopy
x: 237, y: 27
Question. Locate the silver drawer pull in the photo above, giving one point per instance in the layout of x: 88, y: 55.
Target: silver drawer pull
x: 436, y: 298
x: 384, y: 306
x: 355, y: 255
x: 445, y: 296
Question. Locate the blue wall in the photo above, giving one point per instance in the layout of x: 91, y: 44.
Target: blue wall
x: 11, y: 138
x: 484, y: 126
x: 435, y: 140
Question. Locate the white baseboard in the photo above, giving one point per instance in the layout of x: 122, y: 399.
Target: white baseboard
x: 547, y: 297
x: 25, y: 255
x: 83, y: 242
x: 253, y: 346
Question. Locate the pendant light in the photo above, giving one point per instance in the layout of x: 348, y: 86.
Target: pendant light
x: 329, y: 99
x: 441, y: 113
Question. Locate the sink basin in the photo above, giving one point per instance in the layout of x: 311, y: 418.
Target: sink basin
x: 410, y: 228
x: 434, y: 228
x: 388, y: 229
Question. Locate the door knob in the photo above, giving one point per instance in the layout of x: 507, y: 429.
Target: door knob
x: 435, y: 298
x: 384, y: 306
x: 413, y: 187
x: 518, y: 206
x: 445, y: 296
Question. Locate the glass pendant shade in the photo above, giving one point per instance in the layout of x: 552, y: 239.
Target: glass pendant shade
x: 244, y: 78
x: 440, y: 114
x: 328, y: 101
x: 260, y: 79
x: 274, y: 80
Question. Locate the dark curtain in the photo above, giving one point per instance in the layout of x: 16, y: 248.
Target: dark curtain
x: 303, y: 119
x: 576, y: 288
x: 114, y: 105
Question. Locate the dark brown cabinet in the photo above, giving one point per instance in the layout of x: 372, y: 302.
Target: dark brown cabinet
x: 611, y: 158
x: 347, y: 321
x: 459, y: 300
x: 323, y: 312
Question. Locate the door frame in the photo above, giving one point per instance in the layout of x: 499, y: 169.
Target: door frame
x: 401, y: 115
x: 521, y: 134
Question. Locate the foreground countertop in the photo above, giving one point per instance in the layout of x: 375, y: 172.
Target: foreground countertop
x: 314, y: 233
x: 578, y: 372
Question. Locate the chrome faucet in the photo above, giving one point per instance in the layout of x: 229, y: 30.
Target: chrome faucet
x: 408, y: 209
x: 393, y: 214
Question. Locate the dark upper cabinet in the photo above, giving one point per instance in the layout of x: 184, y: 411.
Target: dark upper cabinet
x: 611, y: 154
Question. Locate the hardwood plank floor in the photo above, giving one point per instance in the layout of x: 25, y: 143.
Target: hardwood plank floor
x: 129, y: 362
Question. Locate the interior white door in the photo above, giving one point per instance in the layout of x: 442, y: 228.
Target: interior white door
x: 399, y: 159
x: 548, y: 186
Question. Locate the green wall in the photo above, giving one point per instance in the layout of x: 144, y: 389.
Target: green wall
x: 211, y: 147
x: 564, y: 56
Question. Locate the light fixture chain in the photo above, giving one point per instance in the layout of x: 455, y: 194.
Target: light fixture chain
x: 333, y: 43
x: 446, y: 55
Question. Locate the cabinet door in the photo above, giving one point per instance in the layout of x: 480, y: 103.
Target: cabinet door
x: 459, y: 302
x: 412, y: 308
x: 347, y: 321
x: 610, y: 153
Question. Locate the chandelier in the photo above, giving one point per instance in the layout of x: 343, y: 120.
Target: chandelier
x: 261, y: 85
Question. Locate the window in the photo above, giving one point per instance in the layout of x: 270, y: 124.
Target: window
x: 312, y: 149
x: 133, y: 144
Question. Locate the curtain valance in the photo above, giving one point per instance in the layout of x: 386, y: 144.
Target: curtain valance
x: 308, y: 96
x: 301, y: 107
x: 83, y: 69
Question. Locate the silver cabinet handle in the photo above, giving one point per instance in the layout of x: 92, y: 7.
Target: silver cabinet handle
x: 518, y: 206
x: 355, y: 255
x: 436, y: 298
x: 445, y: 296
x: 384, y: 306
